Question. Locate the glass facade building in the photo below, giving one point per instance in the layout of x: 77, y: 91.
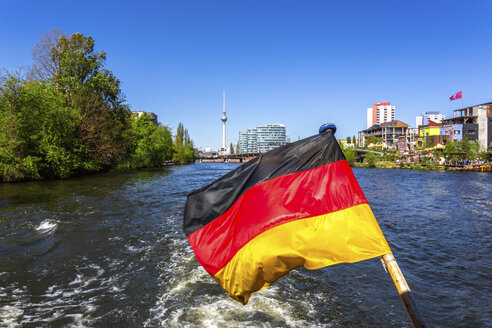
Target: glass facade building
x: 262, y: 138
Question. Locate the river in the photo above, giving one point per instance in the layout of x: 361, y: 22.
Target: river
x: 108, y: 251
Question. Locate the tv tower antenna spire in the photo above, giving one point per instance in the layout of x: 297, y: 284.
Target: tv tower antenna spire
x: 224, y: 119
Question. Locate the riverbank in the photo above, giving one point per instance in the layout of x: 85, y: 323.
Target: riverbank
x: 78, y: 123
x: 94, y: 173
x: 426, y: 167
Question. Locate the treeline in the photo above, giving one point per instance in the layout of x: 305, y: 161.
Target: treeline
x: 67, y: 116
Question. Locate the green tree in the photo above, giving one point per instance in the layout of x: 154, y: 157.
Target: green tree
x: 350, y: 155
x: 80, y: 75
x: 39, y: 140
x: 456, y: 151
x: 68, y: 117
x: 184, y: 150
x: 452, y: 151
x: 354, y: 141
x: 231, y: 149
x: 106, y: 132
x: 349, y: 140
x: 371, y: 159
x: 470, y: 148
x: 78, y: 69
x: 374, y: 140
x: 153, y: 144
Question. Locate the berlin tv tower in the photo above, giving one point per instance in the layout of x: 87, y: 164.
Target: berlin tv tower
x: 223, y: 119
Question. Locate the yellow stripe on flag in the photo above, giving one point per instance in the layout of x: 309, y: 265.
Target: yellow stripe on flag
x: 348, y: 235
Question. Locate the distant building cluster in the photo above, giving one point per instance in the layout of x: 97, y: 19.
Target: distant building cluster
x: 429, y: 116
x: 475, y: 122
x: 262, y: 138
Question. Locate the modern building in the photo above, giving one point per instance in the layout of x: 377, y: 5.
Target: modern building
x: 380, y: 112
x: 251, y: 138
x: 392, y: 133
x: 270, y: 137
x: 242, y: 145
x: 262, y: 138
x: 424, y: 119
x: 475, y: 122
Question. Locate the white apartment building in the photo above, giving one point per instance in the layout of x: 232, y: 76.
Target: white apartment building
x: 432, y: 115
x: 380, y: 112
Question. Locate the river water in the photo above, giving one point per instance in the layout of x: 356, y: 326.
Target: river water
x: 108, y: 251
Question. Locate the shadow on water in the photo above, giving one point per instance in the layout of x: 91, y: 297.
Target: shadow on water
x: 108, y: 250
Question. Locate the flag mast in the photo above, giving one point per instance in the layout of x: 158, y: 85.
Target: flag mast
x: 389, y: 262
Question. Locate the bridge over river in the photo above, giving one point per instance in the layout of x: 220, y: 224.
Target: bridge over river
x: 244, y: 157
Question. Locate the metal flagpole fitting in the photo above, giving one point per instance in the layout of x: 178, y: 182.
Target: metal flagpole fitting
x: 390, y: 263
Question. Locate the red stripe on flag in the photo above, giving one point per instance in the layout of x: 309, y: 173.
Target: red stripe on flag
x: 314, y: 192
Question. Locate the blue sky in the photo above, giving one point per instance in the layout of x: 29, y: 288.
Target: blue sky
x: 300, y: 63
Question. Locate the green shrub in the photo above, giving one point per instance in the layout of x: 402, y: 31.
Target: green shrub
x: 371, y: 159
x: 350, y: 155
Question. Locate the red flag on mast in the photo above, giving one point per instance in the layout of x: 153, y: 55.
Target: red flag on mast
x: 457, y: 95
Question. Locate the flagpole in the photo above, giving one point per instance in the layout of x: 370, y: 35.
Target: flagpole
x: 390, y: 263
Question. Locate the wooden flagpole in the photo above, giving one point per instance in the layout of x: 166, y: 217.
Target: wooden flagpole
x: 390, y: 263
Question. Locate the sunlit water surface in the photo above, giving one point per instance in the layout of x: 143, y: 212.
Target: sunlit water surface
x: 108, y: 250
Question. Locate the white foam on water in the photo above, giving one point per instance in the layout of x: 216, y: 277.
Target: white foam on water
x: 77, y: 280
x: 100, y: 270
x: 75, y: 299
x: 47, y: 225
x: 115, y: 289
x: 197, y: 275
x: 210, y: 310
x: 225, y: 312
x: 10, y: 316
x: 132, y: 249
x: 51, y: 292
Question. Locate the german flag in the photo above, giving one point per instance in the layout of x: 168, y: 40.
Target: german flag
x: 297, y: 205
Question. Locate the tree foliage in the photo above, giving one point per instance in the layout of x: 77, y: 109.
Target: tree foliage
x: 40, y: 135
x: 371, y: 159
x: 350, y: 155
x: 456, y: 151
x: 68, y: 117
x: 153, y: 143
x: 373, y: 140
x: 184, y: 150
x: 80, y: 69
x: 105, y: 131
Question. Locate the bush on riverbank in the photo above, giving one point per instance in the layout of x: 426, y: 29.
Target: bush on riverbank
x: 371, y: 159
x: 67, y: 116
x: 350, y: 154
x: 153, y: 144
